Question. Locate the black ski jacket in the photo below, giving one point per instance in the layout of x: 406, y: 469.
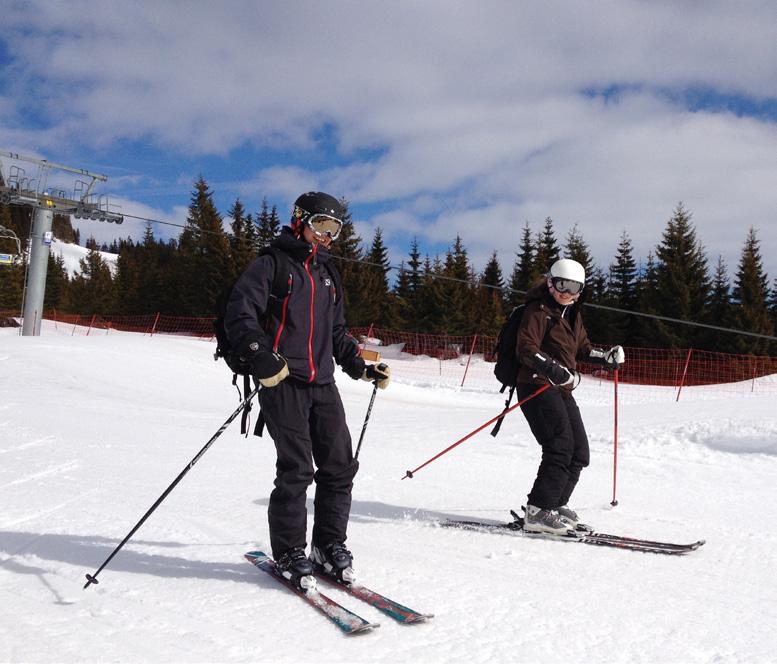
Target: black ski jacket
x: 307, y: 327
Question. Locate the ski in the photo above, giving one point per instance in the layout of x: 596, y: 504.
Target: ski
x: 346, y: 620
x: 583, y: 534
x: 393, y: 609
x: 591, y: 534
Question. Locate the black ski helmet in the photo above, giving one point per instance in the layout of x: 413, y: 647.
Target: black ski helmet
x: 315, y: 202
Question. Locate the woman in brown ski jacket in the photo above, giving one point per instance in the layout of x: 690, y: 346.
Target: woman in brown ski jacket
x: 551, y: 340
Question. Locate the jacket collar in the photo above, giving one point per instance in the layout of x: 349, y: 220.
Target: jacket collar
x: 297, y: 248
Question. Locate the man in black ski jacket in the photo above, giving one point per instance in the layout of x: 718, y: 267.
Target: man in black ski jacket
x: 292, y: 344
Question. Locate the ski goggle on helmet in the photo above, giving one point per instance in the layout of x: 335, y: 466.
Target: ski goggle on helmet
x: 321, y: 212
x: 567, y: 276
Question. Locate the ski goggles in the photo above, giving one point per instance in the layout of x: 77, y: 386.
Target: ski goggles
x: 325, y: 226
x: 566, y: 285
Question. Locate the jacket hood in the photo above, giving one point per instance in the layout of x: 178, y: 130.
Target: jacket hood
x: 538, y: 291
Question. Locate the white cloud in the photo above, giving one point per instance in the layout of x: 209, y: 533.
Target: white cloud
x: 472, y: 116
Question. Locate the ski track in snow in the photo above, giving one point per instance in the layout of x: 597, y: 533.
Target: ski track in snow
x: 124, y: 414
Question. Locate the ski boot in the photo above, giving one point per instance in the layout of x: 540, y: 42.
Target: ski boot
x: 335, y: 560
x: 569, y: 515
x: 539, y: 520
x: 295, y: 566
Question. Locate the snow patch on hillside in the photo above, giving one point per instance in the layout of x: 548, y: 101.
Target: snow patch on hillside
x: 73, y: 253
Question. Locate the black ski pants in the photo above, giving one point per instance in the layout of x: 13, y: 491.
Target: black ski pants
x: 307, y: 424
x: 555, y: 421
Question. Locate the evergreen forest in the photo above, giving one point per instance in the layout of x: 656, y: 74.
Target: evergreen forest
x: 441, y: 294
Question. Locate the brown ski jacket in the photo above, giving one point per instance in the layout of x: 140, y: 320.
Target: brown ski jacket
x: 552, y: 330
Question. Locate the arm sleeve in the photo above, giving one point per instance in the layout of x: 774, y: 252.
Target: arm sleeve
x: 531, y: 332
x: 247, y: 305
x: 345, y: 347
x: 584, y: 346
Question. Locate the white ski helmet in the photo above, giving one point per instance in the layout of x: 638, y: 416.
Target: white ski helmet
x: 567, y: 276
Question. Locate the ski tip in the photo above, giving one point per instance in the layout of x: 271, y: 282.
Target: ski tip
x: 362, y: 629
x: 253, y: 556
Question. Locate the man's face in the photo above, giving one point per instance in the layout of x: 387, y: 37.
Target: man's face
x: 314, y: 238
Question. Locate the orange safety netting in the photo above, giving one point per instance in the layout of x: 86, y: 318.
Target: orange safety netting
x: 644, y: 366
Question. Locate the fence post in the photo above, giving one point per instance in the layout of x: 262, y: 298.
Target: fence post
x: 614, y: 501
x: 91, y: 322
x: 78, y: 319
x: 685, y: 372
x: 752, y: 386
x: 471, y: 350
x: 153, y: 327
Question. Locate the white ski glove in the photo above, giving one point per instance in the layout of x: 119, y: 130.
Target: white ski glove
x: 612, y: 358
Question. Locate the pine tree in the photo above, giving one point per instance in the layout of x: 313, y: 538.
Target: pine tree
x: 241, y: 241
x: 622, y: 290
x: 268, y: 225
x: 490, y: 305
x: 719, y: 310
x: 204, y: 266
x: 347, y: 253
x: 375, y: 297
x: 750, y: 297
x: 648, y: 332
x: 683, y: 283
x: 434, y: 315
x: 407, y: 291
x: 577, y: 249
x: 547, y: 250
x: 57, y: 283
x: 523, y: 269
x: 92, y: 290
x: 11, y: 276
x: 127, y: 274
x: 459, y: 290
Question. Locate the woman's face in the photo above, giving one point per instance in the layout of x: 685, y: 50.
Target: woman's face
x: 564, y: 299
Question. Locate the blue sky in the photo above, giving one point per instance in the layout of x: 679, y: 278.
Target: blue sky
x: 434, y: 119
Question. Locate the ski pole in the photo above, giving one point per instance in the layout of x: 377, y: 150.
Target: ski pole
x: 410, y: 473
x: 92, y: 578
x: 615, y: 439
x: 366, y: 419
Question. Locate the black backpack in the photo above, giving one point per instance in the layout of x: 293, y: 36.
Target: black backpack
x: 507, y: 364
x: 506, y: 367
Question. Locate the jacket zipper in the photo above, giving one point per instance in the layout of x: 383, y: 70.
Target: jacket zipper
x: 311, y: 364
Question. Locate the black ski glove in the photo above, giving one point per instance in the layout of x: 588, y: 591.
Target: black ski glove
x: 355, y: 369
x: 267, y: 368
x: 556, y: 373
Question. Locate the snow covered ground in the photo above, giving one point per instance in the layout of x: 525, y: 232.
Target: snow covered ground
x: 93, y: 429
